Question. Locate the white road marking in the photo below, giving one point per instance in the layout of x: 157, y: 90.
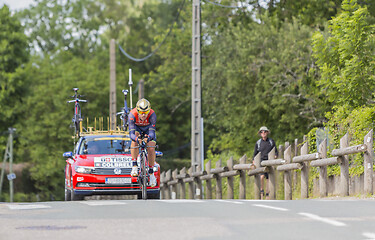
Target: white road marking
x: 271, y: 207
x: 228, y: 201
x: 322, y: 219
x: 102, y: 203
x: 26, y: 206
x: 182, y: 201
x: 262, y: 201
x: 369, y: 236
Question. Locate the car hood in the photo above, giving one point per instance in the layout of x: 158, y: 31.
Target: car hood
x: 89, y: 160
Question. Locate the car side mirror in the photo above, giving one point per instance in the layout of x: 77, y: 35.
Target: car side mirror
x: 68, y: 154
x: 158, y: 154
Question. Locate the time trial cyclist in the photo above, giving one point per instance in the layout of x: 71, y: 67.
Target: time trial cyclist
x: 142, y: 121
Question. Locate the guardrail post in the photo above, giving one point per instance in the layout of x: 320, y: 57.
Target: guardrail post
x: 305, y: 173
x: 368, y: 163
x: 281, y: 152
x: 295, y: 173
x: 174, y: 186
x: 191, y: 185
x: 257, y: 177
x: 323, y: 170
x: 242, y: 194
x: 168, y: 176
x: 198, y: 181
x: 208, y: 181
x: 162, y: 185
x: 287, y: 174
x: 230, y: 179
x: 182, y: 184
x: 272, y: 176
x: 219, y: 189
x: 344, y: 167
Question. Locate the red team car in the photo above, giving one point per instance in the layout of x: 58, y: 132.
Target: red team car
x: 100, y: 165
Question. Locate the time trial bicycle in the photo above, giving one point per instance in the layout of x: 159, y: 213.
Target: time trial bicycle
x: 143, y: 167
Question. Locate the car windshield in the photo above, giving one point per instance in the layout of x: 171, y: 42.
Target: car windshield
x: 105, y: 146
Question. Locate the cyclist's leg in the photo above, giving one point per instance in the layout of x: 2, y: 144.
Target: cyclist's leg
x: 267, y: 186
x: 134, y: 151
x: 262, y: 185
x: 134, y: 147
x: 151, y: 162
x: 151, y: 153
x: 151, y: 148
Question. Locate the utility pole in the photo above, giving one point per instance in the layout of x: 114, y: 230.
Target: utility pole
x: 112, y: 85
x: 11, y: 175
x: 196, y: 92
x: 141, y: 89
x: 8, y: 154
x: 131, y: 89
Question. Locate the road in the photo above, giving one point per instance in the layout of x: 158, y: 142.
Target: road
x: 189, y: 219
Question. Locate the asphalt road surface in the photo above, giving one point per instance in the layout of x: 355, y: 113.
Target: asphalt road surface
x: 189, y: 219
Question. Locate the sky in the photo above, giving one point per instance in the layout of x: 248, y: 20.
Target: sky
x: 16, y: 4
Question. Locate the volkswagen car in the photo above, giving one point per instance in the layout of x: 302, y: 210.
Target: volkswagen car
x: 100, y: 165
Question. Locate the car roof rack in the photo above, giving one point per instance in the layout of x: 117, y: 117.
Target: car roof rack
x: 98, y: 128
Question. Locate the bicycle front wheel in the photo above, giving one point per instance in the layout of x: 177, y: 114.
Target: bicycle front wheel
x: 144, y: 178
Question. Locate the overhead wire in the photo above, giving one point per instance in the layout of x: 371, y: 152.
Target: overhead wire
x: 221, y: 5
x: 162, y: 42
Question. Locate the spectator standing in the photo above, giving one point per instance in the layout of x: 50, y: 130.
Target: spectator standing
x: 264, y: 145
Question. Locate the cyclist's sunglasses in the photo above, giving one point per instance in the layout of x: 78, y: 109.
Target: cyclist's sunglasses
x: 263, y: 131
x: 144, y: 112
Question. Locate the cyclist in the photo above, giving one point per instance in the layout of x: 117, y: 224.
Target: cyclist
x: 142, y: 121
x: 264, y: 145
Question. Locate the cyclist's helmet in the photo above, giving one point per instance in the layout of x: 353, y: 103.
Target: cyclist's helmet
x: 143, y: 106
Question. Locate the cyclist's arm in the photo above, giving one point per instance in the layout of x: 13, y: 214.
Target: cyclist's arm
x: 152, y: 128
x: 133, y: 137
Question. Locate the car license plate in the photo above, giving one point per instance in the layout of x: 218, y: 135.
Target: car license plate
x: 118, y: 180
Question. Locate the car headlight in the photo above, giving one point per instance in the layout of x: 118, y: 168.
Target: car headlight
x: 81, y: 169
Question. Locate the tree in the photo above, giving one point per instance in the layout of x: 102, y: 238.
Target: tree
x: 13, y: 55
x: 309, y: 12
x: 345, y: 57
x: 260, y: 74
x: 55, y: 26
x: 45, y: 135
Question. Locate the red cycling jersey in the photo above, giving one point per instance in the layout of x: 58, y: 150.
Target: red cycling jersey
x: 138, y: 121
x: 147, y: 126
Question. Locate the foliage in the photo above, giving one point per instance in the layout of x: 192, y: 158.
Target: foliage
x: 345, y: 57
x: 55, y: 26
x: 310, y: 12
x: 357, y: 124
x: 311, y: 139
x: 266, y: 78
x: 49, y: 123
x: 13, y: 55
x: 258, y: 69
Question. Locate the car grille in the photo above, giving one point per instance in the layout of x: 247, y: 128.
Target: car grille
x: 103, y: 185
x: 110, y: 171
